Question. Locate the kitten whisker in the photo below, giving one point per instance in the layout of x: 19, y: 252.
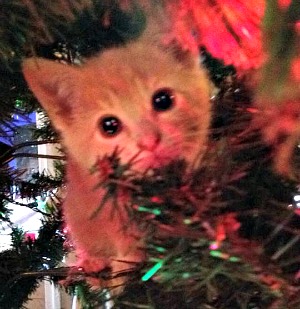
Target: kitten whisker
x: 132, y: 160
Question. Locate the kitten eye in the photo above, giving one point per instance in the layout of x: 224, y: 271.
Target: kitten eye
x: 110, y: 126
x: 163, y: 99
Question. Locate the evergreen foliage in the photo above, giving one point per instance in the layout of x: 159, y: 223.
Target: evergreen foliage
x: 20, y: 265
x: 257, y: 259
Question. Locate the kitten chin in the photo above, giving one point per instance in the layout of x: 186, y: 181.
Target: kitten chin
x: 153, y: 160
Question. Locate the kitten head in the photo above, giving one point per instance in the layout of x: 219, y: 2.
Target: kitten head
x: 142, y: 98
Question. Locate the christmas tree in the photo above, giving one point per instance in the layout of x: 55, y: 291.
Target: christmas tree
x: 225, y: 234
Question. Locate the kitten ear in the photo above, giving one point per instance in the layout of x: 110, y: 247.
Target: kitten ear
x: 53, y: 85
x: 160, y: 32
x: 185, y: 56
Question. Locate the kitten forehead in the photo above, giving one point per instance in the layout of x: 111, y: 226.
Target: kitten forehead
x: 131, y: 74
x: 134, y: 61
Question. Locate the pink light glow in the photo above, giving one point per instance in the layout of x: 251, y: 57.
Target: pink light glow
x: 214, y: 246
x: 284, y: 3
x: 30, y: 237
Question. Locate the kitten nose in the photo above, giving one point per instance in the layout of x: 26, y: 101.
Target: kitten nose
x: 149, y: 141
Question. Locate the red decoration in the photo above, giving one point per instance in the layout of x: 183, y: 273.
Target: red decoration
x: 29, y: 237
x: 284, y: 3
x: 296, y: 69
x: 229, y: 29
x: 156, y: 199
x: 227, y: 224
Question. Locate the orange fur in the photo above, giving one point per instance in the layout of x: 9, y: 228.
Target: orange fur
x: 119, y: 81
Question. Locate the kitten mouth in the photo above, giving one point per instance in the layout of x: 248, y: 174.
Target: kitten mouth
x: 155, y: 160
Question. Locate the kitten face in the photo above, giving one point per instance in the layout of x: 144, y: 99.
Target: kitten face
x: 138, y: 98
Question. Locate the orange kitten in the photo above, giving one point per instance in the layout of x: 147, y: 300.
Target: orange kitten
x: 142, y: 98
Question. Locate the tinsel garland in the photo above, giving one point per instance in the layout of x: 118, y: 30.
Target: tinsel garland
x: 199, y: 237
x: 218, y: 236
